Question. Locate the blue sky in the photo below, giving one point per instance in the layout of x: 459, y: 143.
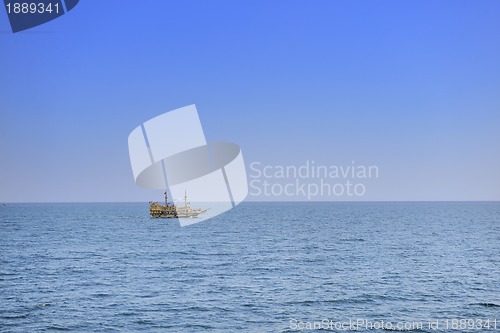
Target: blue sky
x: 410, y: 86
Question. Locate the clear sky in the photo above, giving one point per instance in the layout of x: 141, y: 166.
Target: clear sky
x: 410, y: 86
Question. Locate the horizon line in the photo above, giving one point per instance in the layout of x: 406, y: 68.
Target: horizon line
x: 254, y: 201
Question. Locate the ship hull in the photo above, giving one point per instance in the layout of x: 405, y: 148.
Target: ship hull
x: 178, y: 215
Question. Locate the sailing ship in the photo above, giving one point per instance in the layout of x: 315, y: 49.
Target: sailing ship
x: 170, y: 210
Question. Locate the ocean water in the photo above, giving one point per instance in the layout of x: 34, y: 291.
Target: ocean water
x: 261, y: 267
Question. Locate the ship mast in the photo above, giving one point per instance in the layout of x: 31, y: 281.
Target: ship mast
x: 185, y: 199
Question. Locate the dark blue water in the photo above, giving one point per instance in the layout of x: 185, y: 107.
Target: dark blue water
x: 262, y: 267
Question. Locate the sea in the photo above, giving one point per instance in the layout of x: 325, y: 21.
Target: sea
x: 260, y: 267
